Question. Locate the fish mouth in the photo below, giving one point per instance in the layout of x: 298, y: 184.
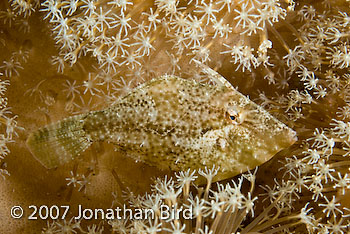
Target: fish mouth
x: 292, y: 136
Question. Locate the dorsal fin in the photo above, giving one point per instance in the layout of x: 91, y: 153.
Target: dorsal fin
x: 214, y: 75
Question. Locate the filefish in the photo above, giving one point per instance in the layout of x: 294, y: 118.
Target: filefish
x: 172, y: 123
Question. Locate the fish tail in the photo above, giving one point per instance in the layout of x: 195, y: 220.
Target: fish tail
x: 58, y: 143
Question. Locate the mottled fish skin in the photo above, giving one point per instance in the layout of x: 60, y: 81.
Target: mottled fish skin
x: 172, y: 123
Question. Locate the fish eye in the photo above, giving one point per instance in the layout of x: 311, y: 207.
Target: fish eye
x: 232, y: 116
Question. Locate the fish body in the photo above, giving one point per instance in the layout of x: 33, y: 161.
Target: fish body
x: 172, y: 123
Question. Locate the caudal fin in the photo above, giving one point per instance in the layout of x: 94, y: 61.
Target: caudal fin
x: 59, y: 143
